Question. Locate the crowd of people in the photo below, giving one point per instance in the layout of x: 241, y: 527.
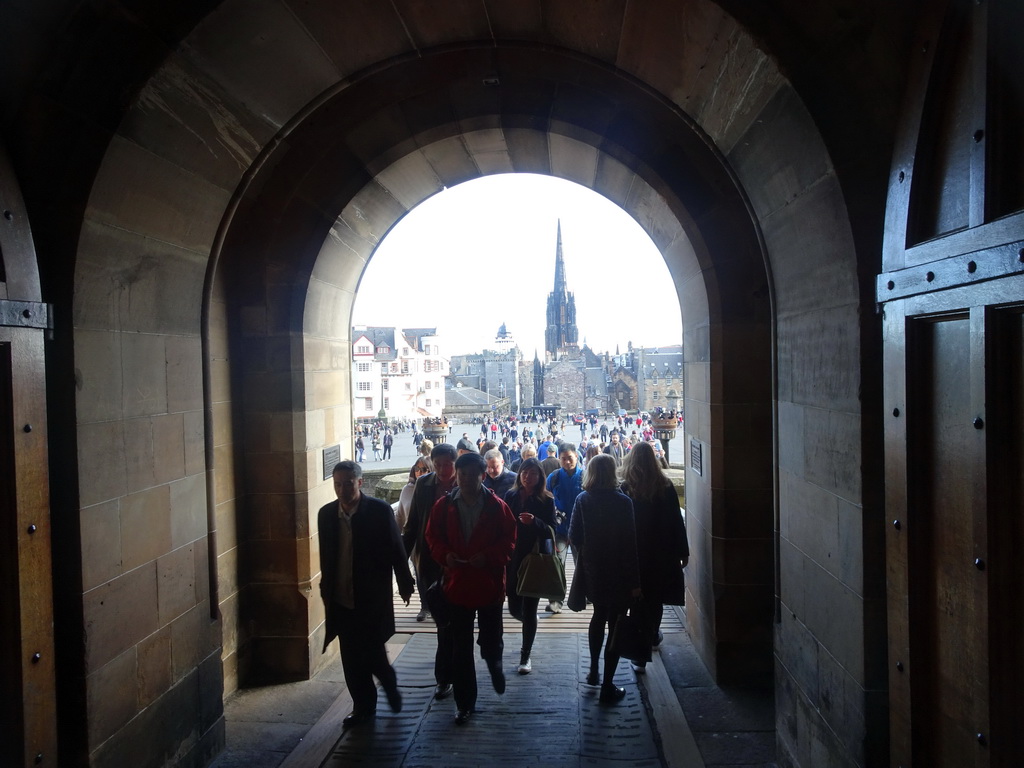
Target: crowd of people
x: 468, y: 517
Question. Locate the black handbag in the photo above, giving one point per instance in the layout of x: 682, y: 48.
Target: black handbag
x: 577, y: 600
x: 437, y: 603
x: 631, y: 639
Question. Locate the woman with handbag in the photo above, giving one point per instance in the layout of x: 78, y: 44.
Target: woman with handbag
x: 604, y: 542
x: 660, y: 536
x: 533, y: 507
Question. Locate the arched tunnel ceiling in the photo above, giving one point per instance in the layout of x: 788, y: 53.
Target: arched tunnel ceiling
x: 452, y: 115
x: 80, y: 66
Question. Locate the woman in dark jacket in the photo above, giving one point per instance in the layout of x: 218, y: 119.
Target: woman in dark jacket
x: 660, y: 535
x: 603, y: 541
x: 534, y: 509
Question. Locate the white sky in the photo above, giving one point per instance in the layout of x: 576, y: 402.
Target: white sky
x: 483, y: 253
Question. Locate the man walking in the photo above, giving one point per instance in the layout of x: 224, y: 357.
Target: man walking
x: 429, y: 489
x: 360, y: 549
x: 498, y: 478
x: 389, y: 440
x: 565, y: 484
x: 616, y: 449
x: 473, y: 533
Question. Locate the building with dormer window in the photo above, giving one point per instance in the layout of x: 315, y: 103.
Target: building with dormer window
x: 398, y: 373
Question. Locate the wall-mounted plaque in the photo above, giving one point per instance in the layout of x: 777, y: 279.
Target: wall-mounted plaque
x: 696, y: 456
x: 332, y: 455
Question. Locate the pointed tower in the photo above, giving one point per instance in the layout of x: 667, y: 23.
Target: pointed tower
x: 538, y: 380
x: 561, y: 332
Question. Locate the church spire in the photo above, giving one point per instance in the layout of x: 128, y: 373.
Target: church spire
x: 561, y: 333
x: 559, y: 264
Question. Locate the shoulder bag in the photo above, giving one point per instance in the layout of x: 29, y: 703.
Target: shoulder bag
x: 631, y: 639
x: 541, y: 575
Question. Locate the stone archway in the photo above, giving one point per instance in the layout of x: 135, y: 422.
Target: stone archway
x: 210, y: 145
x: 291, y: 263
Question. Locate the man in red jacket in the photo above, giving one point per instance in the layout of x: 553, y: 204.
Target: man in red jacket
x: 472, y: 533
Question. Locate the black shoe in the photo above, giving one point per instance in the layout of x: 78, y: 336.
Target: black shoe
x: 422, y: 615
x: 442, y: 690
x: 357, y: 718
x: 394, y: 698
x: 497, y: 676
x: 593, y: 679
x: 463, y: 716
x: 611, y: 694
x: 657, y: 639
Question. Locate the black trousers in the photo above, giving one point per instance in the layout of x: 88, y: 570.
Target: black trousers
x: 363, y: 658
x: 491, y: 642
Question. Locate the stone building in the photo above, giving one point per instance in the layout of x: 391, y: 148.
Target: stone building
x: 190, y: 195
x: 659, y: 376
x: 402, y: 374
x: 623, y: 390
x: 494, y: 371
x: 468, y: 403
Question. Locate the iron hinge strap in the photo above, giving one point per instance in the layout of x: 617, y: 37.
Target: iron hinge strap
x: 25, y: 314
x: 952, y: 272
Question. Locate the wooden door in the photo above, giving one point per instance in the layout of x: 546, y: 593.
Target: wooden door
x: 952, y: 299
x: 28, y: 716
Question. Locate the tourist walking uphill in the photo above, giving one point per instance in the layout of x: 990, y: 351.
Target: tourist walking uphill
x: 421, y: 467
x: 472, y: 533
x: 660, y: 536
x: 360, y: 549
x: 603, y: 539
x: 429, y: 489
x: 534, y: 509
x: 565, y: 484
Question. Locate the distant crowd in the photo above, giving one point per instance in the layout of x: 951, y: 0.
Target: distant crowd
x: 514, y: 437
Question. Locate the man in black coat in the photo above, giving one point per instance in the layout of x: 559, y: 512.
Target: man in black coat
x: 497, y: 478
x: 429, y: 489
x: 360, y: 549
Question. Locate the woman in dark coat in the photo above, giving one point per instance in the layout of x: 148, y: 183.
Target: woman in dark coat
x: 603, y: 541
x: 533, y: 506
x: 660, y: 535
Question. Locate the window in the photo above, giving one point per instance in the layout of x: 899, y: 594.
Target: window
x: 364, y: 349
x: 367, y: 403
x: 405, y: 351
x: 426, y: 349
x: 383, y: 367
x: 654, y: 395
x: 499, y: 368
x: 408, y: 386
x: 364, y: 367
x: 364, y: 386
x: 382, y: 350
x: 427, y: 385
x: 385, y: 385
x: 405, y: 366
x: 428, y: 402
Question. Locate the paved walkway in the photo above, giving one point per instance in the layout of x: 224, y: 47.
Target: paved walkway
x: 547, y: 718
